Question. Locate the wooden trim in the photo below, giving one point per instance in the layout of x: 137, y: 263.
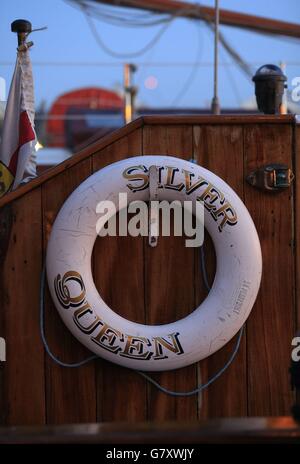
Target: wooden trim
x: 221, y: 119
x: 235, y: 430
x: 81, y: 155
x: 230, y: 18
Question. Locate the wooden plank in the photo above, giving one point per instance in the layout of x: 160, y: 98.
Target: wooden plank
x: 225, y: 119
x: 170, y: 284
x: 119, y: 277
x: 70, y: 392
x: 24, y: 366
x: 220, y: 149
x: 271, y: 324
x: 296, y: 168
x: 5, y: 233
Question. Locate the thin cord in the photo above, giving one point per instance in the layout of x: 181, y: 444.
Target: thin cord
x: 191, y: 77
x: 204, y: 270
x: 199, y: 389
x: 232, y: 82
x: 123, y: 18
x: 166, y: 24
x: 42, y: 329
x: 242, y: 64
x: 115, y: 54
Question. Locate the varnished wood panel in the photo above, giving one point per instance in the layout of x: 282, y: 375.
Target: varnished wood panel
x: 157, y: 286
x: 119, y: 277
x: 220, y: 149
x: 70, y: 392
x: 5, y: 231
x: 271, y: 324
x: 296, y: 231
x: 24, y: 367
x: 169, y: 270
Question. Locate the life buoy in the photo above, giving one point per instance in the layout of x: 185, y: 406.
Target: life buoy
x: 154, y: 347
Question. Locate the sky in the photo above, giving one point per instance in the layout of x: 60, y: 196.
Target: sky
x: 67, y: 56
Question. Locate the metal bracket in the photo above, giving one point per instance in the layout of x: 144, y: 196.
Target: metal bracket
x: 272, y: 177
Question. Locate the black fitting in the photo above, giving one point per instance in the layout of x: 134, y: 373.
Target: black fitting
x: 21, y: 25
x: 269, y: 88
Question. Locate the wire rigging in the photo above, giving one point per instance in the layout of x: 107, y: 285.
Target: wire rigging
x: 193, y: 73
x: 126, y: 20
x: 115, y: 54
x: 120, y: 17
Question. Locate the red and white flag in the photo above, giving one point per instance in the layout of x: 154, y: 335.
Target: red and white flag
x: 17, y: 147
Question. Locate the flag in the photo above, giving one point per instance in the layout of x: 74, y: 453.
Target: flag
x: 17, y: 147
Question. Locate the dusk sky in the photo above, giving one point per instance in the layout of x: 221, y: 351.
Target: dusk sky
x: 67, y: 56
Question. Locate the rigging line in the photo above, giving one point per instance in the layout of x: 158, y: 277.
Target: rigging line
x: 130, y: 23
x: 125, y: 19
x: 192, y: 75
x: 232, y: 82
x: 233, y: 53
x: 157, y: 64
x: 95, y: 9
x: 143, y: 70
x: 153, y: 42
x: 236, y: 57
x: 137, y: 4
x: 115, y: 54
x: 111, y: 9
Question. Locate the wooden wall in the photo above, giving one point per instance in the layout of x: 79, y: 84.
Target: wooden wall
x: 149, y: 288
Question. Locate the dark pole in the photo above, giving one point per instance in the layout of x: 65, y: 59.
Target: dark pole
x: 22, y: 27
x: 215, y: 104
x: 130, y: 92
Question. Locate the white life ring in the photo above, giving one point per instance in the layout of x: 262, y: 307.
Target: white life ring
x: 154, y: 347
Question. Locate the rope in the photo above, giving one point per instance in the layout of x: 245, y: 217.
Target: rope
x: 197, y: 390
x: 191, y: 76
x: 115, y: 54
x: 42, y: 329
x: 166, y: 23
x: 200, y: 388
